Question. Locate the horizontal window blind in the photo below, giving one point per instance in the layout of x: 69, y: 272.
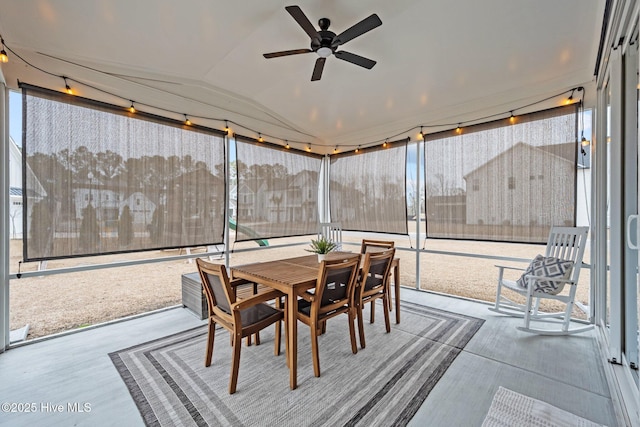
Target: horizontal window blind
x: 367, y: 189
x: 99, y: 179
x: 508, y: 180
x: 277, y: 191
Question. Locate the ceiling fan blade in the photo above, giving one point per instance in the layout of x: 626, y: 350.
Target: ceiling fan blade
x: 317, y: 70
x: 367, y: 24
x: 303, y: 21
x: 355, y: 59
x: 286, y: 53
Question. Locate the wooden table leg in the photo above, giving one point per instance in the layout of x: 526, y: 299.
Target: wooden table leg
x: 292, y: 338
x: 396, y: 279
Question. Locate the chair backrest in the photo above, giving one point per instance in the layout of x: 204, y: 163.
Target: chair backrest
x: 331, y: 231
x: 369, y: 245
x: 376, y: 268
x: 336, y: 281
x: 568, y: 243
x: 217, y: 288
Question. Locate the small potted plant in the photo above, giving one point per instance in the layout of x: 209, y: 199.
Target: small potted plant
x: 322, y: 246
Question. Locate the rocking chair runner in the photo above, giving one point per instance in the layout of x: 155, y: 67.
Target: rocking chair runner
x: 545, y: 278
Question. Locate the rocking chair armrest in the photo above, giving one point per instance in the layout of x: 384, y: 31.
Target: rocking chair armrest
x: 548, y: 279
x: 256, y: 299
x: 508, y: 267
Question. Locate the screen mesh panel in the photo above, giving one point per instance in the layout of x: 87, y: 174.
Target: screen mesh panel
x: 277, y: 191
x: 367, y: 190
x: 100, y: 180
x: 504, y: 180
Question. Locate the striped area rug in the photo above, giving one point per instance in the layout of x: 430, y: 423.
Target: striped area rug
x: 384, y: 384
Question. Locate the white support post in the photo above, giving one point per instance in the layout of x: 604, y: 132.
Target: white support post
x: 417, y: 205
x: 4, y: 217
x: 227, y: 174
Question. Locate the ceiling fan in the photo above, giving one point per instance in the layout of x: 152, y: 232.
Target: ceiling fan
x: 325, y: 43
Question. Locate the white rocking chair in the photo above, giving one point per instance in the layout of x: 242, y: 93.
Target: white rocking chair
x: 331, y: 231
x: 546, y: 278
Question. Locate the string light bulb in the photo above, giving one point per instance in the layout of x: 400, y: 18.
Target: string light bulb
x: 570, y: 98
x: 132, y: 109
x: 3, y: 54
x: 512, y: 119
x: 67, y: 87
x: 187, y: 121
x: 458, y: 129
x: 421, y: 135
x: 260, y: 139
x: 357, y: 148
x: 226, y: 126
x: 308, y: 148
x: 335, y: 150
x: 286, y: 145
x: 384, y: 144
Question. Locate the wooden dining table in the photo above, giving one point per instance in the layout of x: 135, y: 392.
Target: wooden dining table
x: 292, y: 276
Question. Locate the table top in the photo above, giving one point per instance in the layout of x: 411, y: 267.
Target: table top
x: 299, y: 272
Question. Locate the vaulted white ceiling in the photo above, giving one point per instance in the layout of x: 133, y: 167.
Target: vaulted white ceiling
x: 438, y: 62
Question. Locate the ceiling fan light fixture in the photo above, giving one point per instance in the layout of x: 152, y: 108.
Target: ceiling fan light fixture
x: 324, y: 52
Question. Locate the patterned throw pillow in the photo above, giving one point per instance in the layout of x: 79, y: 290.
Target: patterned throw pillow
x: 547, y: 267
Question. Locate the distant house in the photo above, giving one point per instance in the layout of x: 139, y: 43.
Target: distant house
x: 140, y: 206
x: 293, y: 198
x: 106, y: 199
x: 15, y: 190
x: 514, y: 187
x: 251, y: 199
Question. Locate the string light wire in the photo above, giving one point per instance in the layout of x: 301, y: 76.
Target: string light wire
x: 383, y: 141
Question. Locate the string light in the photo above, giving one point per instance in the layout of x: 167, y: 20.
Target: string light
x: 286, y: 145
x: 422, y: 135
x: 335, y: 150
x: 308, y: 148
x: 3, y: 54
x: 67, y: 87
x: 512, y: 119
x: 187, y: 121
x: 226, y: 126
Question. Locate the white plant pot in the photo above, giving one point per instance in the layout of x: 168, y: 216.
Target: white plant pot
x: 321, y: 257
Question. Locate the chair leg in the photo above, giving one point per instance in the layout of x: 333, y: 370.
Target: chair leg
x: 567, y: 316
x: 361, y: 326
x: 385, y: 306
x: 352, y: 331
x: 235, y: 364
x: 248, y: 341
x: 314, y: 349
x: 389, y: 295
x: 210, y: 337
x: 527, y: 312
x: 257, y: 335
x: 373, y: 312
x: 276, y: 350
x: 278, y: 329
